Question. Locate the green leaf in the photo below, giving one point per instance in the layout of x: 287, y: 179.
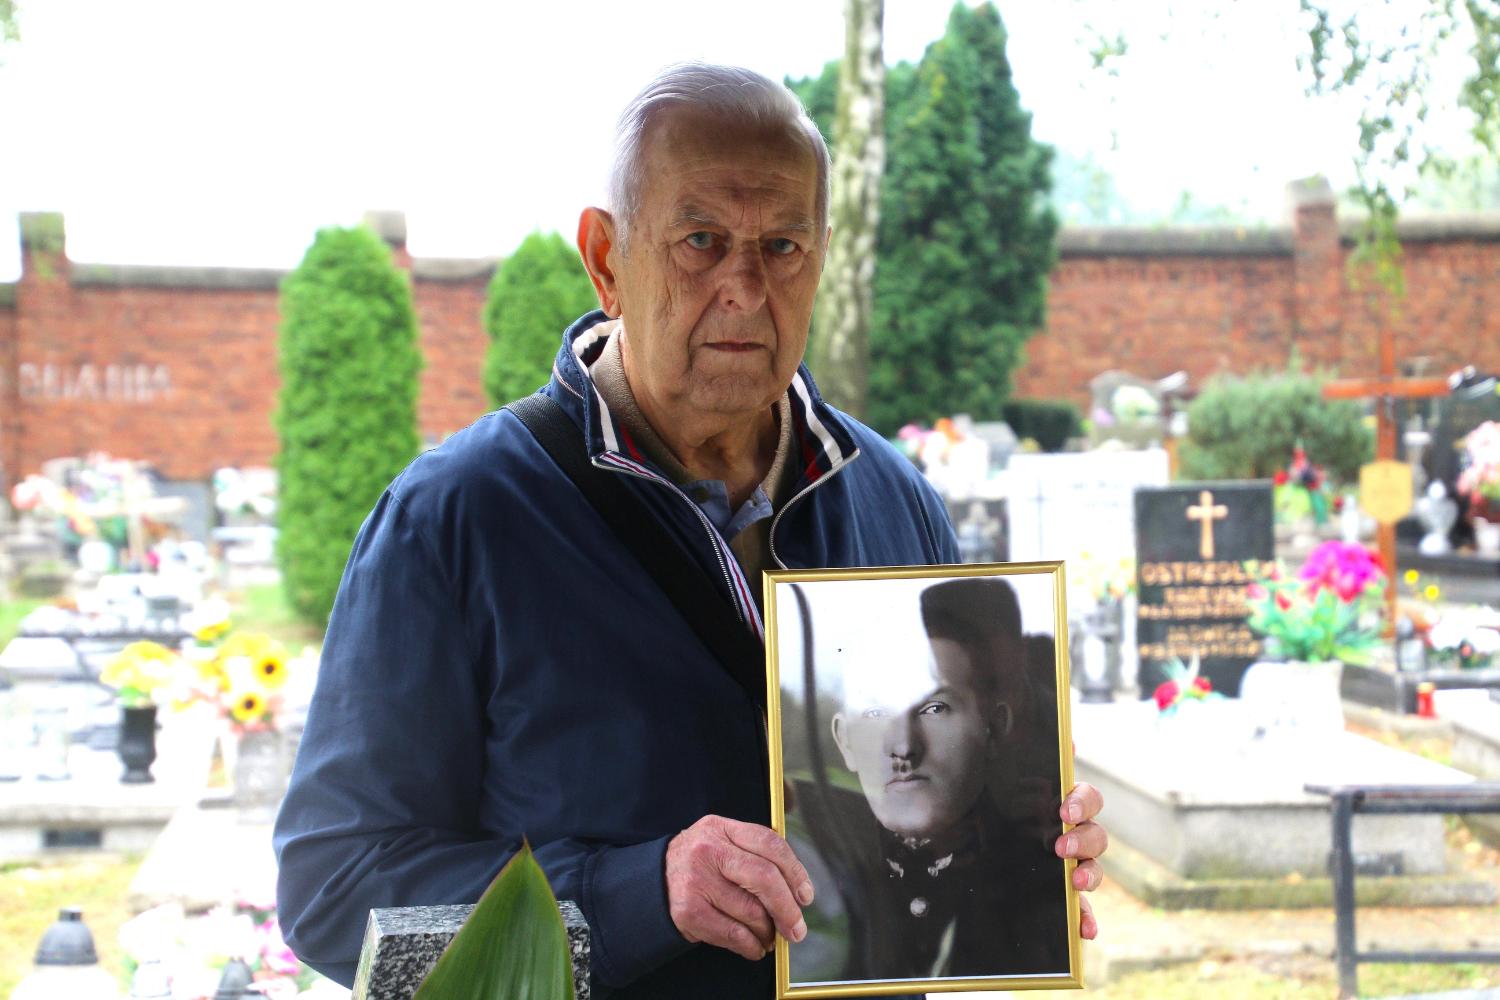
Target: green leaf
x: 512, y: 947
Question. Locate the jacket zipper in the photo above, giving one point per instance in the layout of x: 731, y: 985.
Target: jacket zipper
x: 771, y: 535
x: 702, y: 519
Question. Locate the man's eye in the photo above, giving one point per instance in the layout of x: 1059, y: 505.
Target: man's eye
x: 934, y: 708
x: 874, y: 713
x: 700, y: 240
x: 781, y: 246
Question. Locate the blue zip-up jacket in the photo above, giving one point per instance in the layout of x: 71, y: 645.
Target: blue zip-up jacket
x: 497, y: 665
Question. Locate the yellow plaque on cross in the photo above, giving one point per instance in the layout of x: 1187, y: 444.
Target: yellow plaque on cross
x: 1385, y: 490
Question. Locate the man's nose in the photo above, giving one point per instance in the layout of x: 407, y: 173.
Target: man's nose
x: 902, y: 741
x: 744, y: 285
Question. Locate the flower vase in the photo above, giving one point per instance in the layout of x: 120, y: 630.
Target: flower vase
x: 1487, y: 537
x: 1294, y: 699
x: 262, y: 767
x: 137, y: 744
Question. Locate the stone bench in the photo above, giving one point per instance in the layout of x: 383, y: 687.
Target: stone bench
x: 403, y: 944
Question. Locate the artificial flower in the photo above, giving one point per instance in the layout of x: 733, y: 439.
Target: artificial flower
x: 138, y: 670
x: 1480, y: 480
x: 1329, y: 610
x: 1347, y: 568
x: 247, y: 706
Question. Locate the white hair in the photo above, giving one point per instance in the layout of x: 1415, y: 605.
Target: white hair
x: 727, y: 92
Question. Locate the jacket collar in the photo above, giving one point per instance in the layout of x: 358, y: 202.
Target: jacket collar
x: 823, y: 442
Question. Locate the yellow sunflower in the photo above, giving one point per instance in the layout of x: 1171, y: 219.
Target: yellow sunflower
x: 247, y: 706
x: 270, y: 664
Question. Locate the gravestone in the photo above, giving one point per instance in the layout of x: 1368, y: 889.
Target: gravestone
x: 1078, y: 505
x: 1458, y: 414
x: 1221, y: 818
x: 196, y: 521
x: 1129, y: 409
x: 1192, y: 544
x: 81, y: 806
x: 1475, y: 717
x: 403, y: 944
x: 1064, y: 505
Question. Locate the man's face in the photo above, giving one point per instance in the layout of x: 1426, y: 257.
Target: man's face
x: 716, y: 290
x: 920, y: 759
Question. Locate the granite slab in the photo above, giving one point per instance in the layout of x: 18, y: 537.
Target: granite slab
x: 403, y: 944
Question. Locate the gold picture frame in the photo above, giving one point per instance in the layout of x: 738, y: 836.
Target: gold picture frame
x: 921, y: 789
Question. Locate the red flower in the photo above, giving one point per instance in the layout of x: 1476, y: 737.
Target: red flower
x: 1202, y: 684
x: 1280, y: 478
x: 1166, y: 693
x: 1282, y: 601
x: 1257, y: 592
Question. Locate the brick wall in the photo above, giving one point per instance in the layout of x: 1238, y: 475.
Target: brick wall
x: 1210, y: 301
x: 178, y: 365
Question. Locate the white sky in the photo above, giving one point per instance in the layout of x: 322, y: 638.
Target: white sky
x: 221, y: 132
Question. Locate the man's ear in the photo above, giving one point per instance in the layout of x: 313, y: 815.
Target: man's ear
x: 1003, y: 721
x: 841, y: 737
x: 596, y: 242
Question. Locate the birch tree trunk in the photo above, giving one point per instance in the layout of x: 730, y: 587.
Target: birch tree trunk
x: 841, y: 326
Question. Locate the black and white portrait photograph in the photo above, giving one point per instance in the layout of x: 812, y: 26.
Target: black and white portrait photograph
x: 917, y: 743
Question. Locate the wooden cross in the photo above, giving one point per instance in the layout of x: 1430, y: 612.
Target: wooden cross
x: 1208, y: 513
x: 1386, y: 388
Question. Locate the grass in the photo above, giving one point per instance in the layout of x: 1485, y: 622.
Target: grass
x: 11, y: 613
x: 31, y: 895
x: 263, y: 608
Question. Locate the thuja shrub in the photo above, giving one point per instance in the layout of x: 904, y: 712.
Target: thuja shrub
x: 535, y: 294
x: 1048, y: 422
x: 1246, y: 428
x: 347, y: 413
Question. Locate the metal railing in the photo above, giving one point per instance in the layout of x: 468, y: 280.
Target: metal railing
x: 1346, y: 800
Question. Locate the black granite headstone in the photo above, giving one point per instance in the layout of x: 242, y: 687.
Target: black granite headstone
x: 1192, y: 543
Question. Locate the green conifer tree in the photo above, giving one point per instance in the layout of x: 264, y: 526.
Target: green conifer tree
x: 534, y: 295
x: 967, y: 236
x: 347, y: 411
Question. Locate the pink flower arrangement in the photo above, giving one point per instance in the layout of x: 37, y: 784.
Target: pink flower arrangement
x: 1329, y: 611
x: 1346, y: 568
x: 1480, y: 480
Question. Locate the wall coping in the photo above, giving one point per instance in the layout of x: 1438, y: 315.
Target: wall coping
x: 1072, y: 241
x: 1483, y: 227
x: 1188, y: 241
x: 436, y: 269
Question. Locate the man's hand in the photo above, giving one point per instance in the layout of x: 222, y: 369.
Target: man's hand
x: 1085, y: 842
x: 735, y: 885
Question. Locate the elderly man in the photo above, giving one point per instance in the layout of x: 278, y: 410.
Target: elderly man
x: 499, y: 662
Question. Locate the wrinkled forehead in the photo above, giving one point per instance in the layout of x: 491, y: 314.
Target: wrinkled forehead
x: 687, y: 147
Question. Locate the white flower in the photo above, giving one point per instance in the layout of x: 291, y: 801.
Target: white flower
x: 153, y: 933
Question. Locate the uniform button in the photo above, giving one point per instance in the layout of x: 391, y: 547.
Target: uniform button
x: 919, y: 907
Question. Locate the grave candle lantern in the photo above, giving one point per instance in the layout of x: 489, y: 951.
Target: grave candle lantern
x: 67, y: 965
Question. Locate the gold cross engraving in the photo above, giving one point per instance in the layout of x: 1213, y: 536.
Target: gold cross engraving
x: 1208, y: 513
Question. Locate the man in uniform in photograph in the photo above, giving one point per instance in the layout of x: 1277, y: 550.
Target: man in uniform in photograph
x: 945, y: 863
